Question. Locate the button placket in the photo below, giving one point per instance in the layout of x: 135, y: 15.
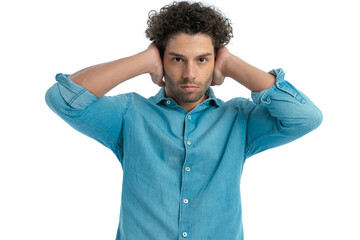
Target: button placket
x: 186, y: 186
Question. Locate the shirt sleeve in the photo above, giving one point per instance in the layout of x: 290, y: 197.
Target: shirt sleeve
x: 99, y: 118
x: 281, y: 114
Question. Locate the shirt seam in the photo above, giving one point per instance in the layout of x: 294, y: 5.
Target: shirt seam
x: 117, y: 145
x: 127, y: 109
x: 257, y: 139
x: 113, y: 142
x: 68, y: 88
x: 73, y: 99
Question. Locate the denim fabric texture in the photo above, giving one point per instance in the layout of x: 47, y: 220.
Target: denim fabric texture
x: 181, y: 171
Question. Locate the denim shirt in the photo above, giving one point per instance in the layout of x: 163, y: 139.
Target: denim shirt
x: 181, y: 171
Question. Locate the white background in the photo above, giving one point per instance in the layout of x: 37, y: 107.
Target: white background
x: 56, y: 183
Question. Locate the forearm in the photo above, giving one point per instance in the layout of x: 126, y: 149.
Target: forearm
x: 101, y: 78
x: 249, y: 76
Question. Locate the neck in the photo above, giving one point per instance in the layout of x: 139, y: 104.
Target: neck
x: 188, y: 106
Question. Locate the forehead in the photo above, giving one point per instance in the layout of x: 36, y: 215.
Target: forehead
x: 186, y: 44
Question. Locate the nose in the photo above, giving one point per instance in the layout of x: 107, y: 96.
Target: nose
x: 189, y: 71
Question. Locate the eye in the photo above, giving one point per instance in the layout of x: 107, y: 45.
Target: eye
x: 202, y: 60
x: 177, y: 59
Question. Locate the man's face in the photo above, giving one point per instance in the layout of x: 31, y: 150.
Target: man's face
x: 188, y: 68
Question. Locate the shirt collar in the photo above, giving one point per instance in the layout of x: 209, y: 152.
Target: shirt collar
x: 160, y: 97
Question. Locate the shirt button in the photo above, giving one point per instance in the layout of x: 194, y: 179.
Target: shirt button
x: 187, y: 169
x: 188, y: 142
x: 168, y: 101
x: 186, y: 201
x: 189, y: 117
x: 184, y: 234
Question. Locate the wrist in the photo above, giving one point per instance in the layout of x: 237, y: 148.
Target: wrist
x: 223, y: 61
x: 152, y: 59
x: 154, y: 65
x: 228, y: 65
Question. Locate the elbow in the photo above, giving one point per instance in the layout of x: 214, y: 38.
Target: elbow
x: 317, y: 119
x: 304, y: 123
x: 50, y: 97
x: 55, y: 101
x: 311, y: 120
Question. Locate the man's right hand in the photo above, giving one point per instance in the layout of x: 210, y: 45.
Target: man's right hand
x: 156, y: 70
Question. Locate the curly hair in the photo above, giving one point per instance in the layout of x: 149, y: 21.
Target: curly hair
x: 190, y: 18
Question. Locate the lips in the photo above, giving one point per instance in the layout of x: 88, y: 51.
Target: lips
x: 189, y: 88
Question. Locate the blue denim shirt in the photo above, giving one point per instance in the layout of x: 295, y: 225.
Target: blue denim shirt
x: 181, y: 171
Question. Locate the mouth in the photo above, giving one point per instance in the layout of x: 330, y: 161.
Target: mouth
x: 189, y: 88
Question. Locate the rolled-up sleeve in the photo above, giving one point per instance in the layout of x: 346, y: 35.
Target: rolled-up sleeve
x: 99, y: 118
x: 281, y: 114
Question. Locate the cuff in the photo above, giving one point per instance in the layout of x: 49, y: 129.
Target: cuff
x: 75, y: 95
x: 264, y: 97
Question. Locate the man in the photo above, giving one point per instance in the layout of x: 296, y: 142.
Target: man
x: 182, y: 151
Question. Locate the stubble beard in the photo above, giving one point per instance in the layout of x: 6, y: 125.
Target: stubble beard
x: 183, y: 96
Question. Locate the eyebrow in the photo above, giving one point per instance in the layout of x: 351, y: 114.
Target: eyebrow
x: 180, y: 55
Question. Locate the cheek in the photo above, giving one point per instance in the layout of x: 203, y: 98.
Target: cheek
x: 208, y: 72
x: 172, y: 72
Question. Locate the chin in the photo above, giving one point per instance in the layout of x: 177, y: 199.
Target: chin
x: 190, y: 99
